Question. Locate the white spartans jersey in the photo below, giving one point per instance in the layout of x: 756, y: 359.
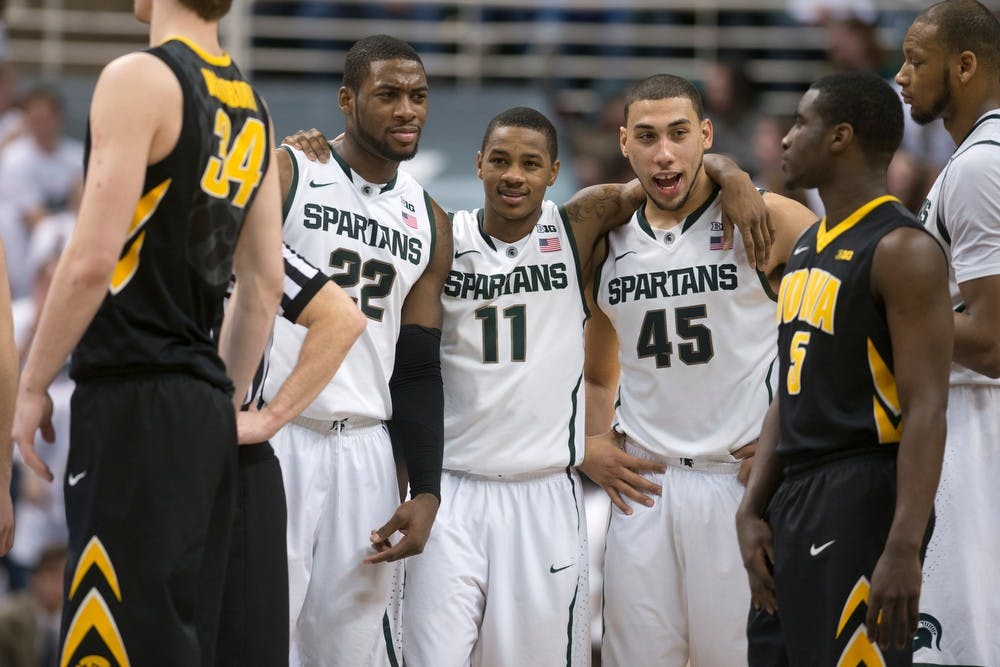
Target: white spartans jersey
x: 696, y: 336
x: 962, y: 211
x: 512, y: 349
x: 374, y: 240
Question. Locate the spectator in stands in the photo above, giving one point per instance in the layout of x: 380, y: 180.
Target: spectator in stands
x: 11, y: 118
x: 37, y: 173
x: 731, y: 102
x: 39, y: 512
x: 29, y: 620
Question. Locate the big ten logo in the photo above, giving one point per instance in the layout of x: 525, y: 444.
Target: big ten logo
x: 546, y: 229
x: 716, y: 226
x: 408, y: 206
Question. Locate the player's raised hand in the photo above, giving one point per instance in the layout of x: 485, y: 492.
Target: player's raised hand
x: 413, y: 519
x: 757, y: 549
x: 311, y: 142
x: 893, y: 605
x: 618, y: 473
x: 33, y: 412
x: 743, y: 208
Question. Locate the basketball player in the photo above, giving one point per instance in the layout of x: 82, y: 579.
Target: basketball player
x: 388, y: 245
x: 694, y: 336
x: 178, y: 196
x: 8, y: 390
x: 850, y: 453
x: 518, y: 263
x: 254, y: 623
x: 952, y: 71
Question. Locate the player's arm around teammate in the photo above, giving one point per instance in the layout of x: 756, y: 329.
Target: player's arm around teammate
x: 8, y: 390
x: 606, y: 462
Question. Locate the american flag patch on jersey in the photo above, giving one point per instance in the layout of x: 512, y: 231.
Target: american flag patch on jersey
x: 409, y: 219
x: 715, y: 243
x: 550, y: 244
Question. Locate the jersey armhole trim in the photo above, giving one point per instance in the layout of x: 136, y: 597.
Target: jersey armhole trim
x: 599, y: 267
x: 286, y: 206
x: 576, y: 260
x: 766, y: 284
x: 433, y: 220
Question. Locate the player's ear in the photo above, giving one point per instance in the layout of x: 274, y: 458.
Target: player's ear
x: 707, y: 133
x: 345, y: 98
x: 479, y: 164
x: 841, y: 136
x: 622, y: 136
x: 555, y: 172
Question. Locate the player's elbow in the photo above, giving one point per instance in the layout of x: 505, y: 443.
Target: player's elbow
x: 90, y: 269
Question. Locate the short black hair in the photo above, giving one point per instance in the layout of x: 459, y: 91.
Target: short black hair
x: 866, y: 102
x: 966, y: 25
x: 663, y: 87
x: 525, y: 117
x: 368, y: 50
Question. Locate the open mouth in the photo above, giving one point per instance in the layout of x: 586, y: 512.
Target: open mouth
x: 668, y: 184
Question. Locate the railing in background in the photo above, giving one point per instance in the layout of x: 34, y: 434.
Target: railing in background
x: 477, y: 42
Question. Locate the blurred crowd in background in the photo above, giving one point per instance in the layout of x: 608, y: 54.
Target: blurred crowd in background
x: 41, y: 171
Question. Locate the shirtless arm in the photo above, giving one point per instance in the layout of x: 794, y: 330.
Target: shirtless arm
x: 134, y: 101
x: 418, y: 374
x: 8, y: 390
x: 909, y: 274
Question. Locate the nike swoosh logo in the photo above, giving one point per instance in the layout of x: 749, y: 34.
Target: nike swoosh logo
x: 817, y: 550
x: 800, y: 249
x: 464, y: 252
x: 553, y: 569
x: 314, y: 184
x: 72, y: 480
x: 630, y: 252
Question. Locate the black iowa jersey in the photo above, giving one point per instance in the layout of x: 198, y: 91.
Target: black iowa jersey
x: 167, y: 288
x: 837, y: 388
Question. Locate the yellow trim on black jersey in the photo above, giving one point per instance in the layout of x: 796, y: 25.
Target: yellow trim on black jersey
x: 219, y: 61
x: 885, y: 404
x: 825, y: 238
x: 128, y: 263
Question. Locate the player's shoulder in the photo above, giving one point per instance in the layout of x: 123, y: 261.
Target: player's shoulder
x: 138, y: 81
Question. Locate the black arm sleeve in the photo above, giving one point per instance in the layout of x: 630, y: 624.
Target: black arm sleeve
x: 417, y: 424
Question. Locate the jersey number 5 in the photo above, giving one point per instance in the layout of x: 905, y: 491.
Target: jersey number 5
x: 653, y: 341
x: 238, y: 163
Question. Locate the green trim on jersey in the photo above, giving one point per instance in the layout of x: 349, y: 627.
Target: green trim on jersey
x: 576, y: 592
x: 688, y: 221
x: 480, y: 222
x: 599, y: 267
x: 767, y: 380
x: 433, y: 220
x: 766, y: 284
x: 347, y: 170
x: 286, y: 206
x: 576, y: 260
x: 700, y: 211
x: 572, y: 422
x: 391, y: 184
x: 343, y: 164
x: 387, y: 633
